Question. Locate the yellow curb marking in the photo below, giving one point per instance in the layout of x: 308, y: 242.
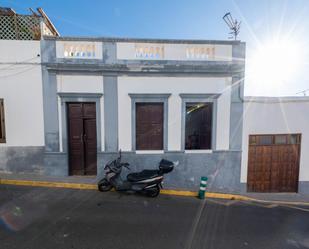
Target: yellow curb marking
x: 163, y: 191
x: 48, y: 184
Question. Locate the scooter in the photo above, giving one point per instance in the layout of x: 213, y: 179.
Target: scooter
x: 148, y: 182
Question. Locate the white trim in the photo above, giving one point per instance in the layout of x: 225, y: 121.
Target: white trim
x: 198, y: 151
x: 149, y: 151
x: 60, y: 124
x: 102, y: 125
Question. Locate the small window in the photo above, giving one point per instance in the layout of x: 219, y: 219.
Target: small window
x: 294, y: 139
x: 252, y: 140
x: 198, y: 126
x: 280, y: 139
x: 149, y: 126
x: 2, y: 124
x: 265, y: 140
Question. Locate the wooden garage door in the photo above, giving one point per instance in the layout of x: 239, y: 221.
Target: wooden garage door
x: 273, y: 163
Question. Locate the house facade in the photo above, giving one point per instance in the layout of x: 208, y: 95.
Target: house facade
x: 70, y: 104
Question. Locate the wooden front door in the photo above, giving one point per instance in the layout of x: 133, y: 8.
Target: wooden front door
x: 82, y: 138
x: 273, y: 163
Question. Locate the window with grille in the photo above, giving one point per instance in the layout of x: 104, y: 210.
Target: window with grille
x: 2, y: 126
x: 198, y: 126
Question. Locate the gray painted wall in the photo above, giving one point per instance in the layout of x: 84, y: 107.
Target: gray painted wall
x: 22, y: 159
x: 221, y: 167
x: 111, y: 112
x: 50, y: 105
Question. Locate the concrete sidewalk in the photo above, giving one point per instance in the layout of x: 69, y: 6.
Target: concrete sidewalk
x: 89, y: 182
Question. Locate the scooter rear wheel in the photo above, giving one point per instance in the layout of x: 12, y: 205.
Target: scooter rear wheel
x: 104, y: 185
x: 153, y: 192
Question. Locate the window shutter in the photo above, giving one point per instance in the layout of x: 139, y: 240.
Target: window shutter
x: 149, y: 126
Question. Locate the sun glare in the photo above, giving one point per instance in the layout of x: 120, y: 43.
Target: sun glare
x: 274, y: 63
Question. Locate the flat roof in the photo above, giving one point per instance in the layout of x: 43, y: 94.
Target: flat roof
x: 284, y: 99
x: 146, y: 40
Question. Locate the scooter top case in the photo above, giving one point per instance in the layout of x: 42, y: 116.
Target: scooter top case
x: 166, y: 166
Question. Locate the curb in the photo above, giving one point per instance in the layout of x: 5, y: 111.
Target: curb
x: 48, y: 184
x: 85, y: 186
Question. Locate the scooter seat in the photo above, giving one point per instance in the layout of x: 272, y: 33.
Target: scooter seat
x: 143, y: 175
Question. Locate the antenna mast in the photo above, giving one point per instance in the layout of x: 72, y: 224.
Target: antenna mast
x: 233, y: 25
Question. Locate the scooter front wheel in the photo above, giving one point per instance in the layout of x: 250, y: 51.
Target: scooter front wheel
x: 153, y: 192
x: 104, y: 185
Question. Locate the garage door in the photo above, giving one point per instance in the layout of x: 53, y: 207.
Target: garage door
x: 273, y: 163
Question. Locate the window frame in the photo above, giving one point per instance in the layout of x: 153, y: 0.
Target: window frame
x: 2, y: 122
x: 256, y: 138
x: 149, y: 98
x: 199, y: 98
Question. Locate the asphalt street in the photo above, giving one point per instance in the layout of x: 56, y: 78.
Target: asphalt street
x: 36, y: 218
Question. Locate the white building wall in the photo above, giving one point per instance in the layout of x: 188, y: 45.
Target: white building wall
x: 271, y: 116
x: 67, y: 83
x: 173, y: 86
x: 21, y: 89
x: 79, y: 83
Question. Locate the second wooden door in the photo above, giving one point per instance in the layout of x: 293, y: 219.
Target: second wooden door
x: 273, y: 163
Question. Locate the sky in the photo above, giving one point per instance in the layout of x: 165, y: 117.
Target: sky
x: 276, y: 32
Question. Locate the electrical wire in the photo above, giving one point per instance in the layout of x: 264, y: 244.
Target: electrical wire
x: 17, y: 63
x: 17, y: 73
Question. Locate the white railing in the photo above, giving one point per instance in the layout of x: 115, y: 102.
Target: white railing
x: 168, y: 51
x: 148, y: 51
x: 200, y: 52
x: 79, y: 50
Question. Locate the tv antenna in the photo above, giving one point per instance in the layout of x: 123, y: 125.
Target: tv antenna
x: 234, y: 25
x: 304, y: 92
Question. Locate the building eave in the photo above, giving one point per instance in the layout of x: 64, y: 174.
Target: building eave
x: 284, y: 99
x: 145, y: 40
